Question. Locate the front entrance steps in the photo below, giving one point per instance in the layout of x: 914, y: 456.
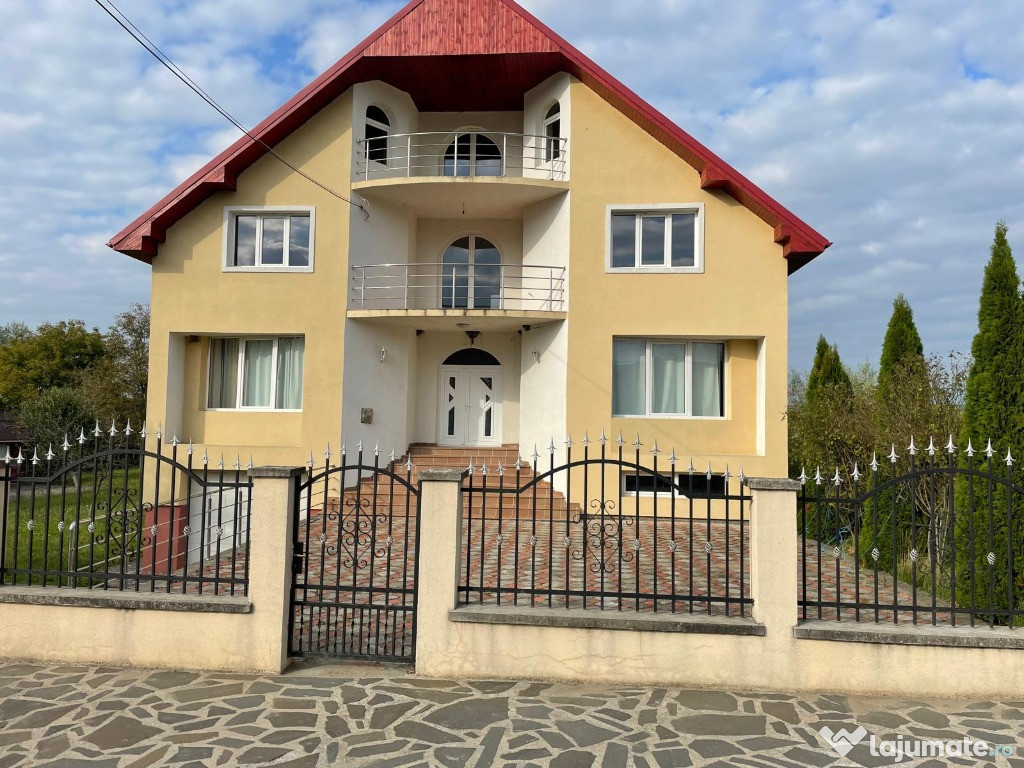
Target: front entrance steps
x: 542, y: 497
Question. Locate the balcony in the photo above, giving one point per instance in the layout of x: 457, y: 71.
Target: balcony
x: 429, y: 172
x: 459, y: 296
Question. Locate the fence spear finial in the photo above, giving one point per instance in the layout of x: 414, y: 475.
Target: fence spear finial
x: 519, y: 464
x: 206, y: 457
x: 113, y: 428
x: 501, y: 469
x: 483, y: 469
x: 551, y: 447
x: 35, y: 456
x: 931, y: 445
x: 742, y: 477
x: 238, y: 462
x: 709, y: 473
x: 250, y: 466
x: 49, y: 453
x: 654, y: 450
x: 144, y: 433
x: 408, y: 463
x: 989, y: 450
x: 672, y: 456
x: 586, y: 439
x: 913, y: 448
x: 175, y: 442
x: 856, y: 472
x: 836, y: 479
x: 81, y: 436
x: 951, y: 446
x: 376, y: 448
x: 1009, y: 458
x: 128, y: 428
x: 393, y: 455
x: 328, y: 454
x: 359, y: 446
x: 690, y: 470
x: 190, y: 450
x: 536, y: 455
x: 892, y: 454
x: 727, y: 475
x: 96, y: 432
x: 637, y: 443
x: 66, y: 445
x: 970, y: 448
x: 604, y: 438
x: 817, y: 476
x: 220, y: 464
x: 620, y: 442
x: 7, y: 458
x: 568, y: 441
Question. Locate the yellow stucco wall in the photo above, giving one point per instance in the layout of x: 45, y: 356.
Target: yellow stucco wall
x: 741, y: 297
x: 193, y: 295
x: 742, y: 293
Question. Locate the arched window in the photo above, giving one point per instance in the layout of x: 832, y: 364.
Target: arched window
x: 553, y: 133
x: 378, y: 128
x: 471, y: 356
x: 471, y: 274
x: 472, y: 154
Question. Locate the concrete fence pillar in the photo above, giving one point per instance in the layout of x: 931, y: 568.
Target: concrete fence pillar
x: 773, y: 554
x: 437, y: 576
x: 271, y: 529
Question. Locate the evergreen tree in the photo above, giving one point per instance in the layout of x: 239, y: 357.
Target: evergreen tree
x: 902, y: 345
x: 820, y: 351
x: 994, y: 409
x: 827, y: 372
x: 887, y: 523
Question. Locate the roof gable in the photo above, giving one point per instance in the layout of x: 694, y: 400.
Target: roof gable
x: 413, y: 50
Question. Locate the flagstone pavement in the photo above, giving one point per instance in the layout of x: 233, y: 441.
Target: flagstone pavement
x: 362, y: 716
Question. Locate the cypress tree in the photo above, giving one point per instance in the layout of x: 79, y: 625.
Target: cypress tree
x: 902, y: 345
x: 889, y: 513
x: 827, y: 371
x: 994, y: 409
x: 820, y: 351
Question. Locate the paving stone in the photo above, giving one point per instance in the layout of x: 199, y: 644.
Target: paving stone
x: 423, y: 732
x: 453, y: 757
x: 121, y: 732
x: 293, y: 719
x: 573, y: 758
x: 704, y: 700
x: 366, y: 750
x: 672, y: 758
x: 470, y: 714
x: 206, y: 693
x: 804, y: 756
x: 262, y: 755
x: 616, y: 756
x: 584, y: 733
x: 715, y: 748
x: 724, y: 725
x: 783, y: 710
x: 386, y: 716
x: 929, y: 717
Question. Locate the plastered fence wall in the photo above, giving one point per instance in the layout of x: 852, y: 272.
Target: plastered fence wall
x: 249, y: 633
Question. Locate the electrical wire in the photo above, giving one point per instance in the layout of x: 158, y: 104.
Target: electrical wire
x: 140, y: 37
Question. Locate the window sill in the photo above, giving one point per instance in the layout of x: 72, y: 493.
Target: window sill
x: 577, y: 618
x: 669, y: 417
x: 271, y: 270
x: 129, y: 601
x: 654, y: 270
x: 252, y: 410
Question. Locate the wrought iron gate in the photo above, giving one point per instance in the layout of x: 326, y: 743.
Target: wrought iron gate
x: 354, y: 562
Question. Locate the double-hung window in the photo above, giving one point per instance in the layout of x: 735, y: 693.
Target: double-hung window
x: 274, y: 241
x: 663, y: 239
x: 668, y: 378
x: 256, y: 373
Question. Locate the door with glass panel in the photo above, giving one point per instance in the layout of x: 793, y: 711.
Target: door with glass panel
x: 472, y: 154
x: 470, y: 406
x: 471, y: 275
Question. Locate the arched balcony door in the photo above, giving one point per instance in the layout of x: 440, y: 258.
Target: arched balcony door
x: 472, y: 154
x: 471, y: 274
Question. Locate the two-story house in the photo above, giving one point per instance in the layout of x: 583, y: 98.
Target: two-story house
x: 491, y: 242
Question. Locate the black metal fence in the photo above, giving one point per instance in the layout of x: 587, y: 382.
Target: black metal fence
x: 932, y: 537
x: 354, y: 563
x: 123, y: 510
x: 609, y: 529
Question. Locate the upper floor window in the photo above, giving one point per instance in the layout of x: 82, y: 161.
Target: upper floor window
x: 668, y: 378
x: 662, y: 239
x: 472, y: 154
x: 553, y: 133
x: 256, y: 373
x: 378, y: 128
x: 272, y: 240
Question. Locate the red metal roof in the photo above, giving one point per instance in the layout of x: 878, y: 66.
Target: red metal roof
x: 464, y: 55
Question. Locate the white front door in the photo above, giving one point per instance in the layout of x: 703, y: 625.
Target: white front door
x: 470, y: 405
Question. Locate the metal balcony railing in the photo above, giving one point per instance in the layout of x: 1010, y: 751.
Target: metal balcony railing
x: 467, y: 154
x: 513, y: 287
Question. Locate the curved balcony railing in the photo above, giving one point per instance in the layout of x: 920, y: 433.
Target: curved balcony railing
x: 511, y: 287
x: 467, y: 154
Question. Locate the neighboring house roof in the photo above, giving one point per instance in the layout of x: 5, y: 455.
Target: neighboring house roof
x: 498, y: 51
x: 10, y: 432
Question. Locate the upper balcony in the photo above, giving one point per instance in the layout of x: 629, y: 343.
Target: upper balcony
x: 493, y: 296
x: 427, y: 172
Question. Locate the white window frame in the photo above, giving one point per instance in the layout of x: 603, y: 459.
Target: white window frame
x: 260, y: 211
x: 240, y: 375
x: 660, y: 209
x: 688, y: 384
x: 389, y: 132
x: 552, y: 155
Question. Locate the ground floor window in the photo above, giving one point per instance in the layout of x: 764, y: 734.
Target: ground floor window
x: 696, y: 485
x: 668, y: 378
x: 257, y: 373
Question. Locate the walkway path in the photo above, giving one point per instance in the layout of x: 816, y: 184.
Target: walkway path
x: 358, y: 717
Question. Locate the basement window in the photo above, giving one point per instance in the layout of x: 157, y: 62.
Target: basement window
x: 686, y: 485
x: 261, y: 240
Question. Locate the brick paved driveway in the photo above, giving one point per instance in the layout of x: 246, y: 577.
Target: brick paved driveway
x: 53, y: 716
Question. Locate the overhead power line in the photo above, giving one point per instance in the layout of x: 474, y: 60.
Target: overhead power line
x: 154, y: 50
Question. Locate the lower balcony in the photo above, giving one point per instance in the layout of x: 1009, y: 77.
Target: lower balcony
x: 446, y: 296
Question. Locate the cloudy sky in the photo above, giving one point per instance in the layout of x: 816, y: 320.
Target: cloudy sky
x: 894, y: 128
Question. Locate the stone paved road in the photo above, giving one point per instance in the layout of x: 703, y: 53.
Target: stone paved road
x: 383, y: 717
